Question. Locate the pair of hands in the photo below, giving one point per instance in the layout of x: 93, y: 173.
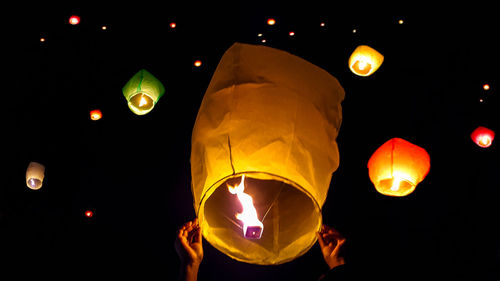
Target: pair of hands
x: 188, y: 245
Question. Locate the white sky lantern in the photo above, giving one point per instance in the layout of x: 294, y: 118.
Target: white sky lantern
x: 34, y: 175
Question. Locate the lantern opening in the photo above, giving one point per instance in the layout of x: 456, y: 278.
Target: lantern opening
x: 142, y: 92
x: 279, y: 204
x: 362, y: 67
x: 141, y: 103
x: 34, y: 183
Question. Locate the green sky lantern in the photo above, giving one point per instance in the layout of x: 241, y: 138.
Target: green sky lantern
x: 142, y: 92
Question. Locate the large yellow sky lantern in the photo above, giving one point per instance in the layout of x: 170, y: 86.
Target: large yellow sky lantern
x: 365, y: 60
x: 263, y: 153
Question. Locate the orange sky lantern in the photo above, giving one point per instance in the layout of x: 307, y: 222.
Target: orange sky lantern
x: 397, y: 167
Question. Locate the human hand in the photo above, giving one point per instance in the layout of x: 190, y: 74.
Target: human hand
x: 188, y: 244
x: 331, y: 241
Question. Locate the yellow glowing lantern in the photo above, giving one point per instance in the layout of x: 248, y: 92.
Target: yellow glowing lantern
x: 364, y: 61
x: 142, y: 92
x: 34, y: 175
x: 397, y: 167
x: 263, y: 153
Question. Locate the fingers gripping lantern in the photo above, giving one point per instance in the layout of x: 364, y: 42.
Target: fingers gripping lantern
x: 268, y: 121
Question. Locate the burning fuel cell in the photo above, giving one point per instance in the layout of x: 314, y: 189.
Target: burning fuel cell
x: 252, y: 226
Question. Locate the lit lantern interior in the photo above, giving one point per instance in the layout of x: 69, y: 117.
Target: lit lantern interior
x: 483, y: 136
x: 365, y: 60
x: 142, y: 92
x: 397, y: 167
x: 34, y: 175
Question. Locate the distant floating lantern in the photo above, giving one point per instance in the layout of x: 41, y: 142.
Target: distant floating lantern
x: 483, y: 136
x: 89, y: 213
x: 271, y: 21
x: 34, y: 175
x: 397, y: 167
x: 263, y: 153
x: 364, y: 61
x: 142, y: 92
x: 197, y: 63
x: 95, y: 114
x: 74, y: 20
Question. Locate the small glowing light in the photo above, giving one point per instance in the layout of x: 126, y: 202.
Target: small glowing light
x: 259, y: 35
x: 173, y: 25
x: 400, y: 21
x: 486, y: 87
x: 104, y: 27
x: 354, y: 30
x: 263, y: 41
x: 271, y: 21
x: 322, y: 24
x: 74, y: 20
x: 89, y: 213
x: 95, y: 114
x: 483, y: 136
x: 481, y: 100
x: 197, y: 63
x: 291, y: 33
x: 42, y: 39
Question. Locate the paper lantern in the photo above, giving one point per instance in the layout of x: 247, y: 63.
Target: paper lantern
x: 364, y: 61
x: 268, y: 120
x: 483, y: 136
x: 95, y: 114
x: 397, y: 167
x: 74, y: 20
x: 35, y: 175
x: 142, y: 92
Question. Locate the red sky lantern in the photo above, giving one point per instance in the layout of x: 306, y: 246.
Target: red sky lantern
x: 483, y: 136
x: 89, y: 213
x: 74, y: 20
x: 397, y: 167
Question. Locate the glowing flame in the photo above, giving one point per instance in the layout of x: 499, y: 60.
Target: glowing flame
x: 252, y: 226
x: 362, y: 65
x: 143, y: 101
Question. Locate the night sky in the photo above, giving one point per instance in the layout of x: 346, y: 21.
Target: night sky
x: 133, y: 172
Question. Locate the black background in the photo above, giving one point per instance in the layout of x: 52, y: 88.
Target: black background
x: 133, y: 171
